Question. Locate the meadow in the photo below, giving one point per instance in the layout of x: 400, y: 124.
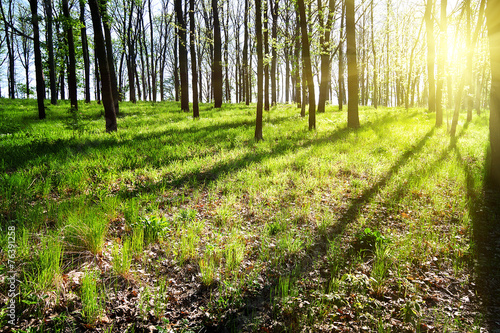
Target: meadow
x: 176, y: 224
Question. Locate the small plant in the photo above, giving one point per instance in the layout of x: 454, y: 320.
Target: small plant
x: 49, y: 262
x: 367, y: 239
x: 189, y: 242
x: 154, y: 227
x: 75, y: 121
x: 122, y: 261
x: 86, y: 232
x: 208, y: 269
x: 137, y: 245
x: 92, y: 306
x: 234, y: 253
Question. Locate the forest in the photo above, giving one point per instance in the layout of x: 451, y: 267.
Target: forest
x: 249, y: 166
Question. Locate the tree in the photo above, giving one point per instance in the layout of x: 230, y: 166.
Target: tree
x: 72, y: 88
x: 194, y: 71
x: 306, y: 58
x: 443, y: 49
x: 493, y: 22
x: 40, y: 86
x: 352, y: 67
x: 85, y: 50
x: 100, y: 48
x: 246, y: 74
x: 325, y: 56
x: 217, y: 65
x: 260, y: 70
x: 50, y: 52
x: 429, y: 28
x: 183, y: 68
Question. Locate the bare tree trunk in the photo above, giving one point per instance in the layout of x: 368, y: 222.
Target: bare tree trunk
x: 40, y: 86
x: 307, y: 64
x: 352, y: 67
x: 429, y: 24
x: 325, y: 59
x: 194, y: 71
x: 492, y: 15
x: 217, y: 65
x: 50, y: 51
x: 260, y: 69
x: 274, y: 35
x: 266, y: 55
x: 85, y: 50
x: 182, y: 57
x: 72, y: 88
x: 341, y: 96
x: 107, y: 92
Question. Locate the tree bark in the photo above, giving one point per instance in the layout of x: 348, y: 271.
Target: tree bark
x: 100, y: 46
x: 352, y: 67
x: 246, y: 88
x: 325, y: 58
x: 217, y: 65
x: 341, y: 96
x: 72, y: 87
x: 109, y: 52
x: 85, y: 50
x: 307, y: 64
x: 183, y: 68
x: 260, y: 71
x: 274, y: 36
x: 40, y: 86
x: 429, y: 24
x: 194, y: 71
x: 492, y: 15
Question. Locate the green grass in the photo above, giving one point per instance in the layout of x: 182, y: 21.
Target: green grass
x: 202, y: 201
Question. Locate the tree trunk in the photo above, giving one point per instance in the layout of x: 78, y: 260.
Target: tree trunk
x: 307, y: 64
x: 176, y: 62
x: 50, y: 51
x: 429, y: 24
x: 246, y: 87
x: 492, y: 15
x: 107, y: 92
x: 109, y: 52
x: 266, y: 55
x: 194, y: 71
x: 375, y: 69
x: 217, y: 65
x: 341, y: 96
x: 182, y: 57
x: 40, y: 86
x: 352, y: 67
x: 85, y: 50
x: 274, y: 35
x: 72, y: 87
x: 325, y: 59
x: 260, y: 70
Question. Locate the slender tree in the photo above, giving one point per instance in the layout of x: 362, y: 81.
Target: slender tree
x: 325, y: 57
x: 492, y: 15
x: 260, y: 70
x: 306, y: 58
x: 85, y: 51
x: 217, y: 65
x: 352, y: 66
x: 100, y: 47
x: 50, y: 51
x: 194, y: 71
x: 182, y: 57
x: 429, y: 25
x: 72, y: 84
x: 40, y: 86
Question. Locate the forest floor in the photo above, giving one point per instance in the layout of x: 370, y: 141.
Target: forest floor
x: 180, y: 225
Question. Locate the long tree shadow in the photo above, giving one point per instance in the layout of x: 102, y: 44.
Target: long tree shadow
x: 484, y: 209
x: 302, y: 266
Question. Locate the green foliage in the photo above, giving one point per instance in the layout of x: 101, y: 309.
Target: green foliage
x: 91, y: 298
x: 153, y: 226
x: 122, y: 260
x: 369, y: 239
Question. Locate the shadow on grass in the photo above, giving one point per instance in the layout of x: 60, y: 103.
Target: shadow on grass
x: 484, y: 209
x: 303, y: 266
